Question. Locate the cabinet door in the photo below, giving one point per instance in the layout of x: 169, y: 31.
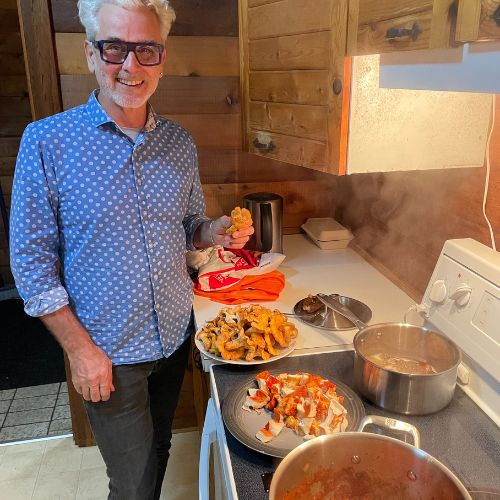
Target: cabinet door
x: 478, y: 20
x: 377, y: 26
x: 292, y: 68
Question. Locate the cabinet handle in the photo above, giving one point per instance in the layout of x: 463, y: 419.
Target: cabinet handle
x: 496, y: 16
x: 393, y: 34
x: 337, y: 86
x: 264, y: 147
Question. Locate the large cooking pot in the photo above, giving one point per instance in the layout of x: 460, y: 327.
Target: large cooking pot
x: 363, y: 465
x: 404, y: 368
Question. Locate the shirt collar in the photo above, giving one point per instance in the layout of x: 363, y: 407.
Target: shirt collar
x: 99, y: 117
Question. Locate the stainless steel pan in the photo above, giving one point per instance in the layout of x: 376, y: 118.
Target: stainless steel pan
x: 363, y: 465
x: 402, y: 368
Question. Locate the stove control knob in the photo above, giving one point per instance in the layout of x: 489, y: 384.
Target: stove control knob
x: 438, y: 292
x: 461, y: 295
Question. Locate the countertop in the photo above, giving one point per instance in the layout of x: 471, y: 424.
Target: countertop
x: 461, y: 435
x: 308, y: 269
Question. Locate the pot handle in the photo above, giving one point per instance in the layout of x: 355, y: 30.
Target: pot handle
x: 392, y: 425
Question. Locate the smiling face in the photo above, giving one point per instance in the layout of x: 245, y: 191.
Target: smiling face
x: 129, y: 85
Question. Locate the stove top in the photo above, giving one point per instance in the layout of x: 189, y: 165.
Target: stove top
x: 461, y: 436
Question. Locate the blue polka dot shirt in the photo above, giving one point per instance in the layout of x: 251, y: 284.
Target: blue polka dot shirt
x: 103, y: 224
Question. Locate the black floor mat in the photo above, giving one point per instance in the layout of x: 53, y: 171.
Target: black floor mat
x: 29, y: 353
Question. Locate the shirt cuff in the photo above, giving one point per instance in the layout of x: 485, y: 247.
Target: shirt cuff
x: 192, y: 224
x: 46, y: 302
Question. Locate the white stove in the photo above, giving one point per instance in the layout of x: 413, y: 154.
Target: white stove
x: 462, y: 301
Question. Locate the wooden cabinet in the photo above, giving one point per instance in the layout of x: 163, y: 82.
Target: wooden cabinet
x: 478, y: 20
x: 292, y: 81
x: 377, y: 26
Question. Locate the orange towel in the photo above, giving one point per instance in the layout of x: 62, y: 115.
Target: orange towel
x: 260, y: 288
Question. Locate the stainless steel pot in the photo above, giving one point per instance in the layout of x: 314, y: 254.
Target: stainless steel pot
x: 267, y: 215
x: 363, y: 465
x: 405, y: 368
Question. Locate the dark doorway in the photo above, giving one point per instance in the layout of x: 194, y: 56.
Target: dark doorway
x: 30, y: 354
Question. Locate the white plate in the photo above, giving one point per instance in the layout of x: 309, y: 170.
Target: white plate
x: 285, y: 351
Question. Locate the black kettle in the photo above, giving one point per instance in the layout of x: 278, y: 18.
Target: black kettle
x: 267, y: 216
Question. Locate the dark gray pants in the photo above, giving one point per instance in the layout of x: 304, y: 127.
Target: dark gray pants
x: 134, y: 428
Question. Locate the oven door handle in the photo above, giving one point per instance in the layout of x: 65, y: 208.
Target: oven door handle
x: 208, y: 437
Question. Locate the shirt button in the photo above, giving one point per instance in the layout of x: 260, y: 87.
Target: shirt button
x: 144, y: 213
x: 139, y: 181
x: 151, y: 245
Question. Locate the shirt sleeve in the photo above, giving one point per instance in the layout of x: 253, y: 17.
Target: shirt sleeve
x: 196, y: 205
x: 34, y: 235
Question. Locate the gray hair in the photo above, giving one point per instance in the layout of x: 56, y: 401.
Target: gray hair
x: 88, y: 10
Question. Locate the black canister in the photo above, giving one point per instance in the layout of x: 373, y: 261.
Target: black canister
x: 267, y: 216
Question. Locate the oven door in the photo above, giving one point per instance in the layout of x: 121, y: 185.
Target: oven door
x: 215, y: 478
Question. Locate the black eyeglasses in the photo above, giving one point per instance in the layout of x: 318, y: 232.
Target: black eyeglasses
x: 116, y: 51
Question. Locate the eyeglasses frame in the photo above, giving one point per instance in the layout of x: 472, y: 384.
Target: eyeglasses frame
x: 131, y: 46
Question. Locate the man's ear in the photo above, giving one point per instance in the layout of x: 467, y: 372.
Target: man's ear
x: 90, y: 55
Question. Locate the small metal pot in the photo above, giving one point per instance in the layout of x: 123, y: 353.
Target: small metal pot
x: 364, y: 465
x: 404, y: 368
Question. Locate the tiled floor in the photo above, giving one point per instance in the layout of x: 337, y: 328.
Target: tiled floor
x: 31, y: 412
x: 56, y: 469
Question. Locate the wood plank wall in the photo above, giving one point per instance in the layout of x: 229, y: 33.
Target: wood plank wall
x: 402, y: 219
x: 15, y: 112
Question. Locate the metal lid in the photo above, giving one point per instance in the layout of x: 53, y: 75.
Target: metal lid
x: 262, y: 197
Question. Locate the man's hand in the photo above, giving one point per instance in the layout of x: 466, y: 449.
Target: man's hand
x: 238, y: 239
x: 91, y: 373
x: 90, y: 368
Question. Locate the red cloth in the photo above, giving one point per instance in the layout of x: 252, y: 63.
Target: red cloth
x: 252, y: 288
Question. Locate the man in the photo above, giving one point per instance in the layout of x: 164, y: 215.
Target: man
x: 110, y: 193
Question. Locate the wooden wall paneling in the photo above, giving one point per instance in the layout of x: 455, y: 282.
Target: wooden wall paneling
x: 12, y: 64
x: 374, y: 12
x: 290, y: 149
x: 468, y: 19
x: 14, y: 126
x: 244, y: 68
x: 197, y: 95
x: 301, y: 199
x: 9, y: 146
x: 174, y: 95
x: 296, y: 87
x: 9, y: 21
x: 6, y: 183
x: 288, y: 17
x: 475, y: 21
x: 36, y: 33
x: 186, y: 56
x: 14, y: 86
x: 212, y: 131
x: 304, y: 51
x: 7, y: 165
x: 339, y: 102
x: 10, y: 42
x: 370, y: 40
x: 221, y: 166
x: 194, y: 17
x: 185, y: 416
x: 309, y: 122
x: 256, y: 3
